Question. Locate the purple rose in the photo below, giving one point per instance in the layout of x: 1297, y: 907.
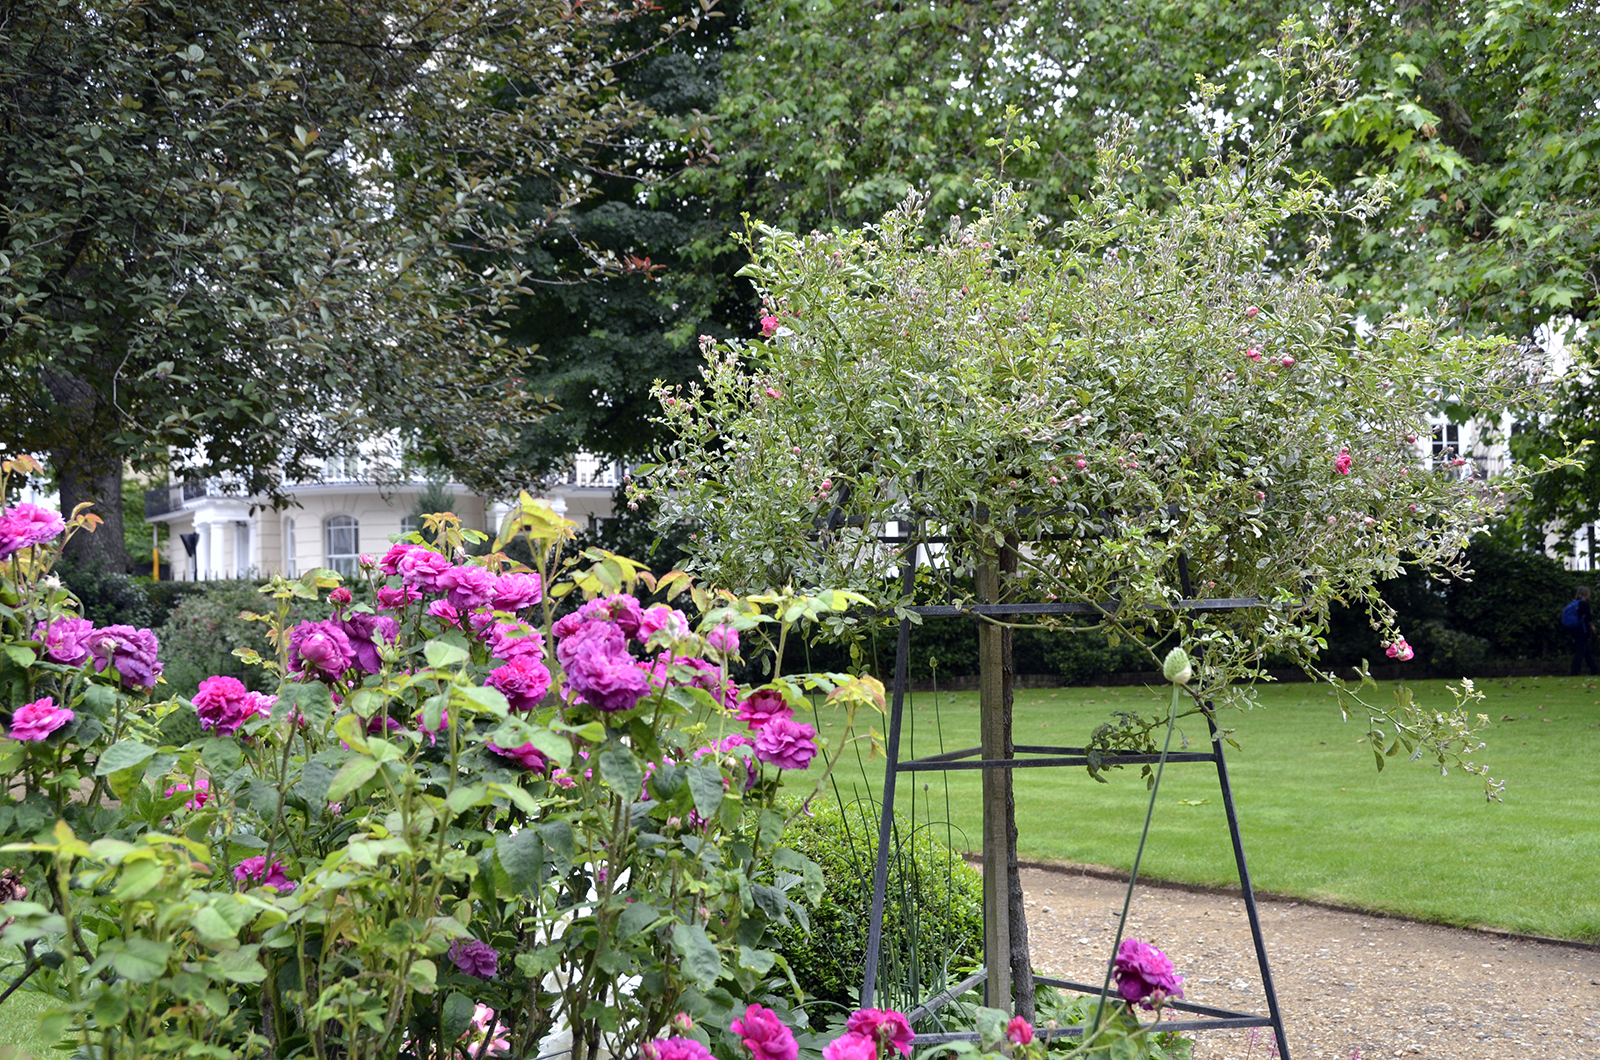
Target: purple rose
x: 466, y: 587
x: 365, y: 632
x: 1145, y: 975
x: 420, y: 568
x: 851, y: 1046
x: 27, y: 525
x: 66, y: 640
x: 254, y: 871
x: 523, y: 681
x: 620, y: 610
x: 674, y: 1049
x: 36, y: 720
x: 224, y: 704
x: 320, y: 649
x: 131, y: 652
x: 882, y: 1025
x: 764, y: 705
x: 765, y: 1035
x: 513, y: 592
x: 599, y: 668
x: 475, y: 958
x: 788, y: 745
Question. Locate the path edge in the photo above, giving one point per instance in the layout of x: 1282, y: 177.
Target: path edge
x: 1101, y: 872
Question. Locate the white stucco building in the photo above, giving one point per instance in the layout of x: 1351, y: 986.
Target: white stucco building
x: 205, y: 532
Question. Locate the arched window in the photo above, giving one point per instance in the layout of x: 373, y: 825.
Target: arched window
x: 410, y: 524
x: 291, y: 562
x: 343, y: 543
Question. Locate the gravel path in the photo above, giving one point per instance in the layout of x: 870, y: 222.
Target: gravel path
x: 1349, y: 984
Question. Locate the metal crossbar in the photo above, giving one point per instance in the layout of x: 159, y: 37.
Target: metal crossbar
x: 1050, y: 756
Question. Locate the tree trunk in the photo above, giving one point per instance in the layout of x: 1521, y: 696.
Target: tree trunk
x: 997, y: 954
x: 83, y: 478
x: 1021, y: 959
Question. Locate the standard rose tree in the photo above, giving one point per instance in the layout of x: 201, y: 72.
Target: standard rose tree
x: 1142, y: 407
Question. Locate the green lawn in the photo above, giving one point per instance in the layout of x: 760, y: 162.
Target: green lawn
x: 1318, y: 820
x: 19, y: 1028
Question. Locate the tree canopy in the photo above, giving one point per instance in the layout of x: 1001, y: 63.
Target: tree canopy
x: 248, y: 234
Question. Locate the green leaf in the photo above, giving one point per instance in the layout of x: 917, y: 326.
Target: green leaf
x: 441, y: 654
x: 422, y: 976
x: 520, y: 854
x: 457, y: 1016
x: 700, y: 957
x: 312, y: 699
x: 705, y: 785
x: 23, y: 657
x: 109, y: 1009
x: 221, y: 757
x: 809, y: 871
x: 351, y: 776
x: 237, y: 966
x: 141, y: 960
x: 758, y: 961
x: 621, y: 773
x: 636, y: 918
x: 125, y: 754
x: 770, y: 829
x: 464, y: 798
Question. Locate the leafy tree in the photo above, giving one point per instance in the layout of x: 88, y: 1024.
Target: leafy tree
x: 237, y: 234
x: 603, y: 342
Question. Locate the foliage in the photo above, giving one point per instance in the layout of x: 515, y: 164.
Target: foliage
x: 1513, y: 599
x: 603, y: 342
x: 933, y: 919
x: 106, y: 596
x: 336, y: 870
x: 1147, y: 390
x: 204, y: 635
x: 221, y: 215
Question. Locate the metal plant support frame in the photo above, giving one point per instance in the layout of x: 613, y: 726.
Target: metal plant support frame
x: 1049, y: 757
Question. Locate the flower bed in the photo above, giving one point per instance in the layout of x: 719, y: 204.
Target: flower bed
x: 461, y: 826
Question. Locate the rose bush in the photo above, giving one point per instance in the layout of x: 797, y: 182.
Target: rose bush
x: 458, y: 827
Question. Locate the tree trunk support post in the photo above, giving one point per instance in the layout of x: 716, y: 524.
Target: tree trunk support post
x: 995, y: 741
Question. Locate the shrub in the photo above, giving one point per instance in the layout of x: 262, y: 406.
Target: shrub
x: 933, y: 913
x: 1513, y: 600
x: 203, y: 630
x: 108, y: 597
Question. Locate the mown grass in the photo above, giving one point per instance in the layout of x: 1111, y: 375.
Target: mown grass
x: 19, y: 1028
x: 1319, y: 821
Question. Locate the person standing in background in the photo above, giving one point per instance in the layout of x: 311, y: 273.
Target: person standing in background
x: 1578, y: 620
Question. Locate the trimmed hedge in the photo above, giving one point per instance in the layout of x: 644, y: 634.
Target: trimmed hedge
x: 933, y: 915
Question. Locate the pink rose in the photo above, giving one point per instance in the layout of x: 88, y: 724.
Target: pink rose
x: 1019, y: 1031
x: 27, y: 525
x: 442, y: 609
x: 420, y: 568
x: 763, y: 706
x: 523, y: 681
x: 769, y: 325
x: 1145, y: 975
x: 466, y: 587
x: 1399, y: 650
x: 765, y: 1035
x: 507, y: 640
x: 341, y: 595
x: 393, y: 599
x: 851, y: 1047
x: 882, y: 1025
x: 527, y: 756
x: 724, y: 639
x: 1254, y: 353
x: 661, y: 617
x: 786, y: 744
x: 254, y: 871
x: 1342, y: 463
x: 514, y: 592
x: 200, y: 791
x: 674, y: 1049
x: 34, y: 721
x: 1287, y: 361
x: 224, y: 704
